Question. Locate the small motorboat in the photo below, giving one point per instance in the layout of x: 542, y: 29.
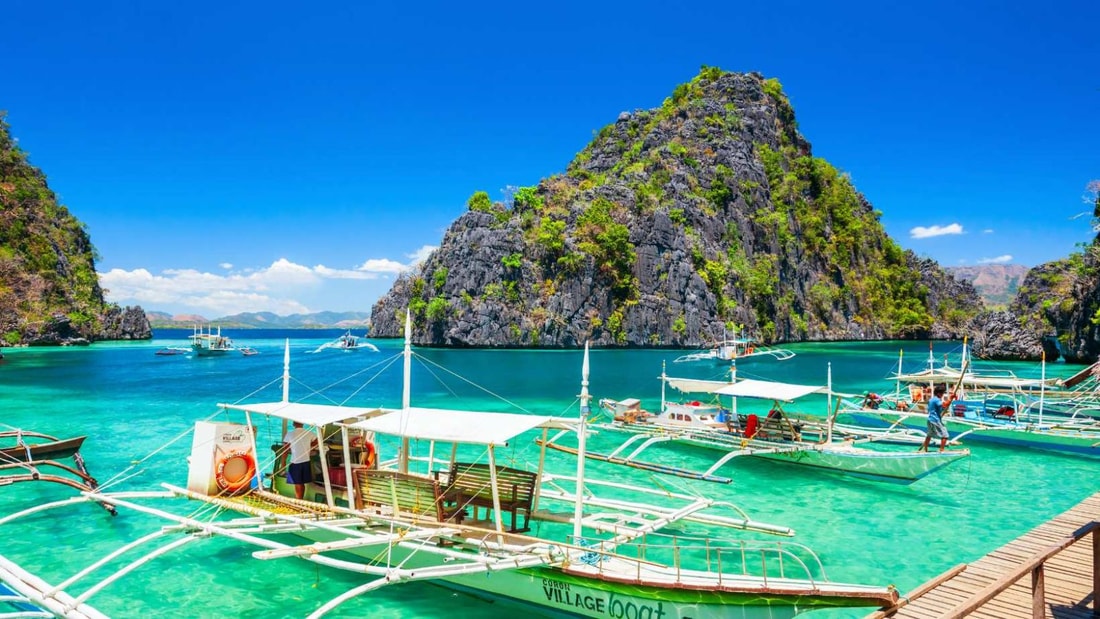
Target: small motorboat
x: 50, y: 448
x: 172, y: 350
x: 32, y: 456
x: 248, y: 351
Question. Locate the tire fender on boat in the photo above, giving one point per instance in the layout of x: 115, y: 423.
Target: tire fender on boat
x: 228, y: 470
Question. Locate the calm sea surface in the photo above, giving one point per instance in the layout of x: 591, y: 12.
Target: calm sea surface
x: 137, y: 410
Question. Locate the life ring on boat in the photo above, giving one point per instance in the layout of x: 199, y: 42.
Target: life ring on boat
x: 696, y: 403
x: 235, y: 470
x: 369, y: 455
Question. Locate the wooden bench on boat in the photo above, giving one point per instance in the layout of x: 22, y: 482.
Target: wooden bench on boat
x: 401, y: 494
x: 772, y: 428
x: 471, y: 484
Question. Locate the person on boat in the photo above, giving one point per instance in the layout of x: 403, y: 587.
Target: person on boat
x: 936, y: 406
x: 299, y: 473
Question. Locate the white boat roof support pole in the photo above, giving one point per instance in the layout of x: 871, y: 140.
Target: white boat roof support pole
x: 252, y: 431
x: 322, y: 450
x: 348, y: 477
x: 497, y: 518
x: 542, y: 466
x: 582, y: 431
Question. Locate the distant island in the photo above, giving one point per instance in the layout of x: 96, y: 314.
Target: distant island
x: 264, y: 320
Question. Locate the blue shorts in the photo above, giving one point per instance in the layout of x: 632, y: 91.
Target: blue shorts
x: 300, y: 473
x: 936, y: 430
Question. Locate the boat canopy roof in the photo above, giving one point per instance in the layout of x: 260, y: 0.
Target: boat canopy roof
x: 769, y: 390
x: 456, y: 426
x: 696, y: 385
x: 974, y: 380
x: 308, y: 414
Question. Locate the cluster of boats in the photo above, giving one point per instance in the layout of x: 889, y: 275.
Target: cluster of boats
x: 206, y: 342
x: 561, y: 541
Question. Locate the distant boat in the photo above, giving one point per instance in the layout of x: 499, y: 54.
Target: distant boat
x: 206, y: 343
x: 248, y: 351
x: 348, y: 342
x: 172, y: 350
x: 736, y: 349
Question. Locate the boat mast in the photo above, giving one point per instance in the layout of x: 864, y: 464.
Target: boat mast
x: 286, y: 371
x: 403, y: 457
x: 578, y: 509
x: 733, y: 400
x: 286, y: 383
x: 829, y: 406
x: 664, y: 381
x: 1042, y: 383
x: 897, y: 387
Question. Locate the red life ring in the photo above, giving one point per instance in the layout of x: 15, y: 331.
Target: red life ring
x: 369, y: 457
x: 235, y: 470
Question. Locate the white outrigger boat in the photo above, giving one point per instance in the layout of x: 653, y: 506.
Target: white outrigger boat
x: 347, y: 342
x: 813, y: 441
x: 415, y: 518
x: 737, y: 348
x: 205, y: 342
x: 1003, y: 410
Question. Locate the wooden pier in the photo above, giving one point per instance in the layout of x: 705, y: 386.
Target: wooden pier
x: 1052, y: 571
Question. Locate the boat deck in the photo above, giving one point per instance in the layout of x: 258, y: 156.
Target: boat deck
x: 999, y: 585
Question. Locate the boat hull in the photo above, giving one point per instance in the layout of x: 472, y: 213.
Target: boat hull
x: 584, y: 595
x: 53, y: 450
x: 1075, y: 442
x: 899, y: 466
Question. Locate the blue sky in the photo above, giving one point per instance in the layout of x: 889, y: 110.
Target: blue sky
x: 294, y: 157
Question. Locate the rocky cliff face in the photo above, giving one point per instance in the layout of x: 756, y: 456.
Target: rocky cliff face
x: 1057, y: 311
x: 672, y: 225
x: 49, y: 290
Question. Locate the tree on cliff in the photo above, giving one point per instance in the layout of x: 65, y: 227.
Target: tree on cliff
x: 49, y: 290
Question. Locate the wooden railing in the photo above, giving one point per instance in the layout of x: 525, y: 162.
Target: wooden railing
x: 1034, y: 566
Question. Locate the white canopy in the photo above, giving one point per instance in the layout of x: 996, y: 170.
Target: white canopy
x: 454, y: 426
x: 695, y: 385
x: 309, y: 414
x: 768, y: 390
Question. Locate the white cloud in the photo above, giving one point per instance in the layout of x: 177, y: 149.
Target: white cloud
x: 922, y: 232
x: 382, y: 265
x: 421, y: 254
x: 271, y: 289
x: 276, y: 288
x: 225, y: 265
x: 987, y: 231
x: 998, y: 260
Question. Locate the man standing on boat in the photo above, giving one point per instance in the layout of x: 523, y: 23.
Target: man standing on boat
x: 301, y: 443
x: 936, y: 406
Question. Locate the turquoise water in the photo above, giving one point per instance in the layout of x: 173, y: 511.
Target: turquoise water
x: 131, y: 404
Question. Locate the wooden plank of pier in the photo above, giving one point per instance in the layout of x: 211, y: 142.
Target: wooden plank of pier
x: 1068, y: 576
